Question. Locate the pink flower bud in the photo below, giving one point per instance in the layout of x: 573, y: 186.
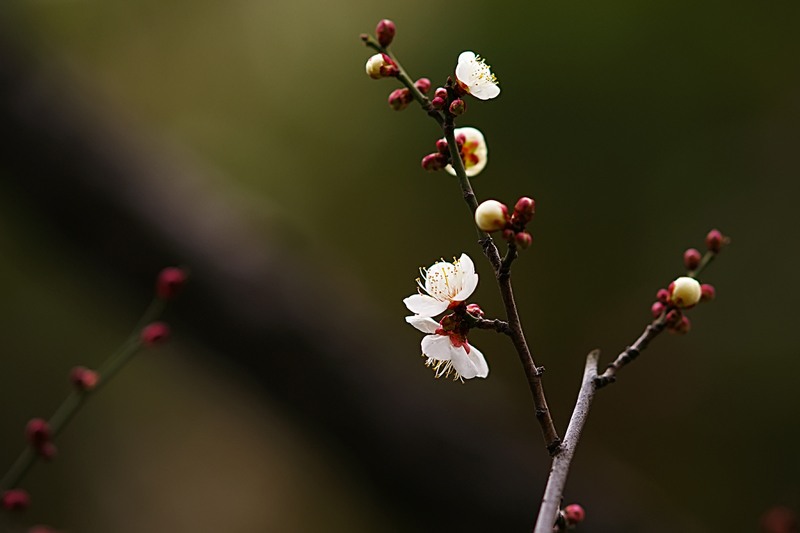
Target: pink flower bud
x: 423, y: 84
x: 16, y: 500
x: 385, y: 32
x: 434, y: 162
x: 47, y: 451
x: 169, y: 282
x: 574, y: 514
x: 508, y: 235
x: 399, y: 99
x: 691, y: 259
x: 441, y: 146
x: 438, y: 103
x: 673, y: 318
x: 707, y: 293
x: 458, y: 107
x: 491, y: 216
x: 37, y: 432
x: 155, y: 334
x: 441, y: 93
x: 523, y: 240
x: 682, y: 327
x: 475, y: 310
x: 662, y: 296
x: 524, y: 208
x: 715, y: 240
x: 83, y: 378
x: 657, y: 308
x: 461, y: 140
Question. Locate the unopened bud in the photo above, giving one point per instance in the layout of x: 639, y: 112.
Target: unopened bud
x: 673, y: 317
x: 441, y: 93
x: 574, y: 514
x: 685, y: 292
x: 448, y: 323
x: 423, y: 84
x: 458, y: 107
x: 385, y: 32
x: 475, y: 310
x: 461, y: 139
x: 16, y: 500
x: 508, y: 235
x: 399, y: 99
x: 438, y: 103
x: 524, y: 208
x: 434, y: 162
x: 657, y: 308
x: 523, y: 240
x: 47, y: 451
x: 662, y: 296
x: 715, y: 240
x: 682, y: 327
x: 37, y: 432
x: 377, y: 65
x: 707, y: 293
x: 155, y: 334
x: 691, y: 259
x: 441, y: 146
x: 169, y: 282
x: 491, y: 216
x: 83, y: 378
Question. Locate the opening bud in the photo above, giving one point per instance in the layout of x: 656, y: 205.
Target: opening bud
x: 438, y: 103
x: 155, y: 334
x: 37, y: 432
x: 657, y: 308
x: 458, y: 107
x: 83, y: 378
x: 385, y: 32
x: 662, y: 296
x: 691, y: 259
x: 475, y: 310
x: 170, y: 281
x: 707, y: 293
x: 685, y: 292
x: 523, y: 240
x: 400, y: 99
x: 441, y: 146
x: 524, y: 208
x: 423, y: 84
x: 574, y: 514
x: 491, y: 216
x: 715, y: 240
x: 434, y: 162
x: 16, y: 500
x: 377, y: 66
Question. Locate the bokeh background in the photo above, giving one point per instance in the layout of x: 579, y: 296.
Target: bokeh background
x: 242, y: 138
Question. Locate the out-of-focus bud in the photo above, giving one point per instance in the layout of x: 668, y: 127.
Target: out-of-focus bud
x: 155, y: 334
x: 434, y: 162
x: 458, y: 107
x: 691, y: 259
x: 475, y: 310
x: 524, y: 208
x: 523, y: 240
x: 662, y: 296
x: 715, y: 240
x: 385, y: 32
x: 673, y: 318
x: 574, y: 514
x: 685, y: 292
x: 37, y: 432
x: 423, y: 84
x: 657, y: 308
x: 438, y: 103
x: 508, y: 235
x: 47, y: 451
x: 491, y: 216
x: 461, y: 140
x: 778, y: 519
x: 682, y: 327
x: 377, y: 64
x: 16, y: 500
x: 707, y: 293
x: 441, y: 92
x: 169, y: 282
x: 400, y: 98
x: 441, y: 146
x: 83, y: 378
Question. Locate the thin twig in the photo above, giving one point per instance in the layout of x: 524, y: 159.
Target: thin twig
x: 632, y: 352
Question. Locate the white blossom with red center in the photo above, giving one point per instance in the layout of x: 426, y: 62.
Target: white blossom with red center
x: 443, y: 285
x: 475, y: 77
x: 474, y: 153
x: 448, y: 351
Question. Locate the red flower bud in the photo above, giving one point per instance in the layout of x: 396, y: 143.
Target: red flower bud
x: 707, y: 293
x: 155, y: 334
x: 657, y: 308
x: 37, y: 432
x: 458, y: 107
x: 691, y: 259
x: 673, y: 318
x: 682, y: 327
x: 169, y: 282
x: 574, y: 514
x: 524, y: 208
x: 523, y: 239
x: 400, y: 99
x: 441, y: 93
x: 441, y: 145
x: 508, y: 235
x: 16, y: 500
x: 438, y: 103
x: 83, y: 378
x: 423, y: 84
x: 434, y: 162
x: 47, y: 451
x: 475, y: 310
x: 715, y: 240
x: 385, y: 32
x: 662, y: 296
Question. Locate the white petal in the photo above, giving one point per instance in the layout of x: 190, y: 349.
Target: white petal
x: 451, y: 170
x: 425, y: 306
x: 469, y: 279
x: 485, y: 91
x: 472, y: 365
x: 437, y: 347
x: 464, y: 67
x: 424, y: 324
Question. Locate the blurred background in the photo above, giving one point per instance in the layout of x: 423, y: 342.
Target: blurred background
x: 243, y: 139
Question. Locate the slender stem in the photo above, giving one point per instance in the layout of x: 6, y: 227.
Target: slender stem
x: 511, y: 254
x: 632, y: 352
x: 75, y: 400
x: 707, y: 258
x: 562, y: 460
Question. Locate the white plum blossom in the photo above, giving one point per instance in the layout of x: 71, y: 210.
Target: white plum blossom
x: 449, y: 352
x: 474, y: 153
x: 444, y: 284
x: 475, y: 77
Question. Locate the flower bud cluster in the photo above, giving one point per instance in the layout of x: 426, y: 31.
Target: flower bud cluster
x: 381, y: 66
x: 38, y: 435
x: 492, y: 216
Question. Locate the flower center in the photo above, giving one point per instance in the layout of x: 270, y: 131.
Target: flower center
x: 481, y: 72
x: 442, y: 280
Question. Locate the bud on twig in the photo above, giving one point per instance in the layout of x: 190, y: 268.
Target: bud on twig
x: 155, y: 334
x: 83, y: 378
x: 662, y: 296
x: 685, y: 292
x: 47, y: 451
x: 657, y: 308
x: 574, y: 514
x: 385, y: 32
x: 434, y: 162
x: 524, y: 209
x: 380, y: 66
x: 458, y: 107
x: 491, y: 216
x: 682, y: 327
x: 16, y: 500
x: 707, y: 293
x: 169, y: 282
x: 399, y: 99
x: 715, y: 240
x: 438, y: 103
x: 441, y: 146
x: 523, y: 240
x: 691, y: 259
x: 37, y: 432
x: 423, y: 84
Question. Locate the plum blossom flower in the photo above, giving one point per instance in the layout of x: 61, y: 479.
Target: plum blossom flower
x: 475, y: 77
x: 474, y: 153
x: 448, y: 351
x: 444, y: 285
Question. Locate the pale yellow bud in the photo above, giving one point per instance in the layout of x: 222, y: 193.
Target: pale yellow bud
x: 374, y: 65
x: 491, y: 216
x: 685, y: 292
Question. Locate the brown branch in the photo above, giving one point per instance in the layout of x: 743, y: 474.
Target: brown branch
x: 632, y: 352
x: 497, y: 325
